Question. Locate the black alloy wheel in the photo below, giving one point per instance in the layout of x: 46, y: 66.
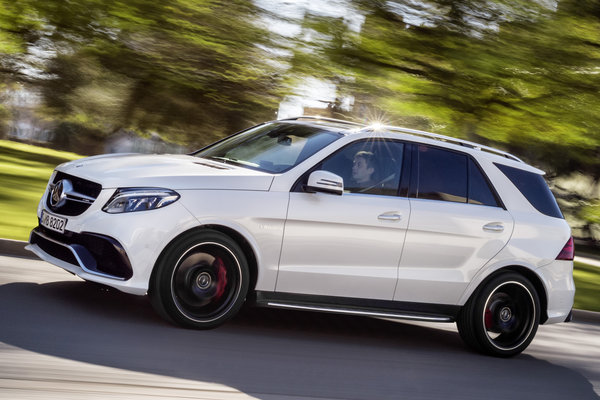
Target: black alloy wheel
x: 201, y: 280
x: 502, y: 318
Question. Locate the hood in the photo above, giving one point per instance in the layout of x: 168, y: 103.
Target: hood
x: 166, y: 171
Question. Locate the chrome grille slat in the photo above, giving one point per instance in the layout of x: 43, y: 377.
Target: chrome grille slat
x: 75, y: 199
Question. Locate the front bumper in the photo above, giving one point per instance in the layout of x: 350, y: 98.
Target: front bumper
x: 93, y: 253
x: 117, y: 250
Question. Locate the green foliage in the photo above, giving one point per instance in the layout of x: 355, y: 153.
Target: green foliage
x: 591, y: 213
x: 18, y: 21
x: 511, y: 74
x: 177, y: 67
x: 4, y: 116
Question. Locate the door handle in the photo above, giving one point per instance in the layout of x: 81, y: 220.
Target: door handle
x: 493, y: 227
x: 390, y: 217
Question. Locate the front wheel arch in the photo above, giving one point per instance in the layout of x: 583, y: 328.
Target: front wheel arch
x: 200, y: 280
x: 234, y: 235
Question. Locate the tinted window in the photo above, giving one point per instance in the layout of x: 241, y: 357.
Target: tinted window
x: 371, y: 167
x: 442, y: 175
x: 479, y: 189
x: 534, y: 188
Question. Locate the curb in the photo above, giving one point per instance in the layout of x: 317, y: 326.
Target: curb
x: 16, y: 248
x: 10, y: 247
x: 586, y: 316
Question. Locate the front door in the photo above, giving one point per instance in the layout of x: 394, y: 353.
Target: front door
x: 348, y: 245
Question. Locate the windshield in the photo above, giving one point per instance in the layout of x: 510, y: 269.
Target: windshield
x: 274, y: 147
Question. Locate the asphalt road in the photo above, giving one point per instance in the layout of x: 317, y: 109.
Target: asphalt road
x: 62, y: 338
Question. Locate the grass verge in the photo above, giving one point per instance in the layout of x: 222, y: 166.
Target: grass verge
x: 587, y: 284
x: 24, y: 174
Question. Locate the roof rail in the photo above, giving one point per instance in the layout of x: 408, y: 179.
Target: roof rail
x: 435, y: 136
x: 317, y: 118
x: 449, y: 139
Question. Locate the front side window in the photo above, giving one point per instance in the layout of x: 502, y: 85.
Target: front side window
x: 370, y: 166
x: 273, y: 148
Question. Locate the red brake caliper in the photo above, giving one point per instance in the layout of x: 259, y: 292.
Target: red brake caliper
x: 488, y: 319
x: 221, y: 278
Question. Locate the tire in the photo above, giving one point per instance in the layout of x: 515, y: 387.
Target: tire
x: 200, y: 281
x: 502, y: 317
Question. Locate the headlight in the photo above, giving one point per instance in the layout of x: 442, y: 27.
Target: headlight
x: 139, y: 199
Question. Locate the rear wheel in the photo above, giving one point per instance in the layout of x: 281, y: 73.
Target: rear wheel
x: 201, y: 280
x: 502, y: 317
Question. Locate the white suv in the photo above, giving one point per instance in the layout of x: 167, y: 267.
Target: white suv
x: 324, y: 215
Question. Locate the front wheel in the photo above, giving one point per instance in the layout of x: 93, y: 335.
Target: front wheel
x: 201, y: 280
x: 502, y: 318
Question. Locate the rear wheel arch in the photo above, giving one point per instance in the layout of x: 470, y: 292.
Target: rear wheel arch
x: 532, y: 277
x: 537, y: 284
x: 526, y: 272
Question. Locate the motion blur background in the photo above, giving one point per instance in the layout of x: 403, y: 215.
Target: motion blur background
x: 96, y: 76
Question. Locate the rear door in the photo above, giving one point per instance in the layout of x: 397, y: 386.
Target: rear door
x: 457, y: 225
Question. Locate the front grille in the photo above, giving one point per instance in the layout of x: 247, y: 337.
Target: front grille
x: 73, y: 205
x: 99, y: 254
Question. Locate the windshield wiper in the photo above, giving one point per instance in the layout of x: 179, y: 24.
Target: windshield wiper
x: 225, y: 160
x: 233, y: 161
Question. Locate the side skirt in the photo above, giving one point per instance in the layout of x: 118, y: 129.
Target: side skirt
x: 364, y: 307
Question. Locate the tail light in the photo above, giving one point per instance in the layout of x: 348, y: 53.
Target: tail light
x: 568, y: 252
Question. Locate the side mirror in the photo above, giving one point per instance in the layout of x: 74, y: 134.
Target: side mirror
x: 326, y: 182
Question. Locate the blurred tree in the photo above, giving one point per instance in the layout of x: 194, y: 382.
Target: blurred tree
x: 191, y: 70
x: 516, y: 74
x: 520, y: 75
x: 16, y: 26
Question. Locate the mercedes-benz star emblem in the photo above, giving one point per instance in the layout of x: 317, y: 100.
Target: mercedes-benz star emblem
x: 58, y: 193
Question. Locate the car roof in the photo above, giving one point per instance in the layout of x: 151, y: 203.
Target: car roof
x: 349, y: 127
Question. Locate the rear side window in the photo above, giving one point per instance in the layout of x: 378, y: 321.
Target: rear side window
x: 479, y: 188
x: 534, y: 188
x: 451, y: 176
x: 442, y: 175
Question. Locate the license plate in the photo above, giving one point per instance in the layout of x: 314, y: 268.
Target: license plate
x: 53, y: 222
